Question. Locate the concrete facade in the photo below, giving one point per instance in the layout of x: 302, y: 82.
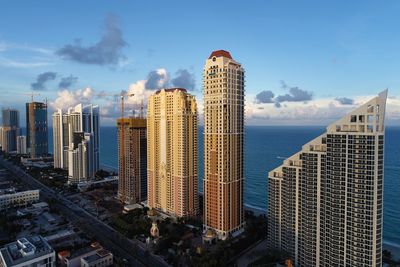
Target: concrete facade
x: 325, y: 202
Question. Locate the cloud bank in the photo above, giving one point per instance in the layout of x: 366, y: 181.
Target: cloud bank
x: 184, y: 79
x: 345, y: 100
x: 42, y: 79
x: 66, y: 82
x: 107, y: 51
x: 295, y: 95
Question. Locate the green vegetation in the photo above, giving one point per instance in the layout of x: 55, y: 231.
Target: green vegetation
x: 224, y: 253
x: 54, y: 178
x: 133, y: 224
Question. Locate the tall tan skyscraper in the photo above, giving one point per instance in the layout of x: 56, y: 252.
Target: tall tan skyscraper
x: 172, y: 152
x: 325, y: 202
x: 132, y: 160
x: 223, y: 82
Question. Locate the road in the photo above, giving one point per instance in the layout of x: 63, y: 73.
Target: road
x: 122, y: 247
x: 252, y: 254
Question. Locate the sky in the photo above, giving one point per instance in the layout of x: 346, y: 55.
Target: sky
x: 306, y: 62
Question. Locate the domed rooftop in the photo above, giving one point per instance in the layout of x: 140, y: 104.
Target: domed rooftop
x: 220, y: 53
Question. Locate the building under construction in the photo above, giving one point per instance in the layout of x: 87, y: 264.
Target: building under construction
x: 132, y: 160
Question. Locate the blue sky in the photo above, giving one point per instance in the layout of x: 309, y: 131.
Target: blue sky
x: 329, y: 50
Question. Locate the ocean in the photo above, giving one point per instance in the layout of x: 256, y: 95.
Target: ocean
x: 265, y: 149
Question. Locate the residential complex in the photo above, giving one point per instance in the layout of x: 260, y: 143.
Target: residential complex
x: 172, y: 152
x: 132, y: 160
x: 9, y: 198
x: 28, y: 251
x: 76, y: 142
x: 325, y: 202
x: 36, y: 129
x: 223, y: 84
x: 10, y: 130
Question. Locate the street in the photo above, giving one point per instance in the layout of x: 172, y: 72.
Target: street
x: 119, y: 245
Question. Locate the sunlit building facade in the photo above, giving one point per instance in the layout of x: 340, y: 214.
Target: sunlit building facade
x: 172, y: 152
x: 223, y: 88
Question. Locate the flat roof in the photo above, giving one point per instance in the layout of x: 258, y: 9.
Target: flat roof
x: 100, y: 254
x: 32, y: 247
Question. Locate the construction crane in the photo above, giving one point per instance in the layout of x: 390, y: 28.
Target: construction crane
x: 32, y: 94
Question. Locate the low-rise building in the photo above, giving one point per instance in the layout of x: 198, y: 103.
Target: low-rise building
x: 42, y: 162
x: 28, y: 252
x: 74, y: 258
x: 12, y: 199
x: 102, y: 258
x: 35, y: 209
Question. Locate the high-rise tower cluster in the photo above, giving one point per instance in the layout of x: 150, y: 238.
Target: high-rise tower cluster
x: 325, y: 202
x: 76, y: 142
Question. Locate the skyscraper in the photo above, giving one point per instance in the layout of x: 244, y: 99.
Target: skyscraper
x: 76, y: 141
x: 61, y: 140
x: 10, y: 130
x: 172, y: 152
x: 81, y: 158
x: 223, y: 83
x: 36, y: 129
x: 10, y: 117
x: 325, y: 202
x: 21, y: 144
x: 132, y: 160
x: 83, y: 142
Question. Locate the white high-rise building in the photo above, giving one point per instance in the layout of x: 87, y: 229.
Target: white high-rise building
x: 81, y: 161
x: 325, y: 202
x: 21, y: 144
x: 61, y: 142
x: 76, y: 141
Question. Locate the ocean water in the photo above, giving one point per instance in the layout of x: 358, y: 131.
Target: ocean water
x: 267, y: 146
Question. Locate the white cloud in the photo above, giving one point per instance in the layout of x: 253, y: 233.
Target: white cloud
x: 7, y: 46
x: 318, y: 111
x: 70, y: 98
x: 21, y: 64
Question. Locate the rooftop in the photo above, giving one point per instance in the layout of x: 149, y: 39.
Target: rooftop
x: 171, y: 90
x: 220, y: 53
x: 25, y: 249
x: 100, y: 254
